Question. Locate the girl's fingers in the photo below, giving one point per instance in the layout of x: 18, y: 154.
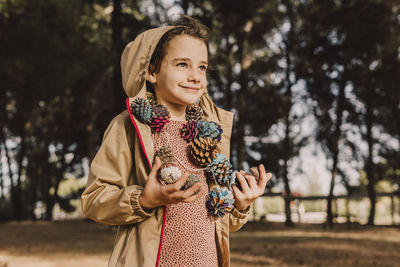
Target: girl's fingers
x: 176, y: 187
x: 195, y: 196
x: 237, y: 192
x: 264, y: 177
x: 251, y: 180
x: 157, y: 164
x: 243, y: 183
x: 191, y: 191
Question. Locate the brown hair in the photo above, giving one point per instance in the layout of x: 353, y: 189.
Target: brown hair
x: 185, y: 25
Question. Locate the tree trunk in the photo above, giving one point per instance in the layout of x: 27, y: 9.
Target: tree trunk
x: 49, y: 208
x: 2, y: 197
x: 33, y: 174
x: 392, y: 209
x: 10, y: 174
x: 348, y: 215
x: 330, y: 195
x: 117, y: 46
x: 54, y: 198
x: 18, y: 193
x: 289, y: 42
x: 370, y: 164
x: 46, y: 177
x: 288, y: 212
x: 241, y: 102
x: 335, y: 152
x: 228, y: 97
x: 287, y: 148
x: 185, y: 6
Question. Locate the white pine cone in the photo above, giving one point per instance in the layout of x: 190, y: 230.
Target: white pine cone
x: 169, y: 173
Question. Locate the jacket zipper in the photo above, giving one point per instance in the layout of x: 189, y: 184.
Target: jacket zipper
x: 148, y: 162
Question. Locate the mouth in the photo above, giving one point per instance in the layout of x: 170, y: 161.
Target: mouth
x: 192, y: 88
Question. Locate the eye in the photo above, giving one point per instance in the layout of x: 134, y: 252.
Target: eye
x: 182, y: 64
x: 203, y: 68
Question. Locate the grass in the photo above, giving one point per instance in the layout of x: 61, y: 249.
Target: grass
x: 85, y: 243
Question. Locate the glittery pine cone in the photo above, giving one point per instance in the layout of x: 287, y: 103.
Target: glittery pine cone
x: 220, y: 201
x: 141, y: 108
x: 165, y: 154
x: 160, y: 111
x: 203, y: 150
x: 150, y: 97
x: 189, y: 131
x: 191, y: 180
x: 221, y: 169
x: 169, y: 173
x: 158, y: 123
x: 232, y: 179
x: 194, y: 113
x: 209, y: 129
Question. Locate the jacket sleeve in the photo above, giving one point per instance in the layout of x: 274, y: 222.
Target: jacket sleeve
x: 237, y: 219
x: 108, y: 198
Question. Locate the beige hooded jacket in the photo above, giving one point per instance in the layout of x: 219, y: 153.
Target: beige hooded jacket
x: 119, y: 171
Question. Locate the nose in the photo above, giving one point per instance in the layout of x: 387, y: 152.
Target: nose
x: 194, y: 75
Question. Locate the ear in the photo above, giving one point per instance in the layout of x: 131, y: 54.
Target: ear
x: 150, y: 75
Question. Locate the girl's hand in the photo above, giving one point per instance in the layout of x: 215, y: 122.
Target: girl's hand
x: 156, y: 194
x: 250, y: 189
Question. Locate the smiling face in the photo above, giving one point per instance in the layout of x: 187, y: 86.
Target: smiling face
x: 181, y: 79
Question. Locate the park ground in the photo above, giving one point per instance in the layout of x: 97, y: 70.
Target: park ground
x: 84, y: 243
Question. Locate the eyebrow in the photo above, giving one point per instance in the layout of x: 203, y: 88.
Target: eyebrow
x: 188, y: 59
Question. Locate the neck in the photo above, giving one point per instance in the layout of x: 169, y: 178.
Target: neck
x: 177, y: 112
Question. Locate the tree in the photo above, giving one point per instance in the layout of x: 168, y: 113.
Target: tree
x: 51, y: 68
x: 324, y: 66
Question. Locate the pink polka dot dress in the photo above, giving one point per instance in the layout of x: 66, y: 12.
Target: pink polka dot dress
x: 189, y: 234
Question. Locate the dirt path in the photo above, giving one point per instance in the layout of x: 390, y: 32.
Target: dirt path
x: 84, y: 243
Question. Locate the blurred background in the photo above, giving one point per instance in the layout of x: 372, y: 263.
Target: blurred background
x: 313, y: 84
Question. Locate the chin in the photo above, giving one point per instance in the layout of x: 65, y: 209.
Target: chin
x: 190, y: 100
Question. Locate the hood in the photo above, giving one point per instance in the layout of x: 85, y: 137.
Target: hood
x: 135, y: 60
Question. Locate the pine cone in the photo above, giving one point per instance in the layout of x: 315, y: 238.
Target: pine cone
x: 209, y: 129
x: 141, y: 108
x: 221, y: 169
x: 203, y: 150
x: 189, y: 131
x: 194, y: 113
x: 150, y: 97
x: 255, y: 172
x: 160, y: 111
x: 165, y: 154
x: 220, y: 132
x: 158, y: 123
x: 220, y: 201
x: 191, y: 180
x: 169, y: 173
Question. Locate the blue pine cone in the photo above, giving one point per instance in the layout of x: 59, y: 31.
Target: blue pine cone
x: 220, y: 201
x: 209, y: 129
x: 142, y: 110
x: 221, y: 169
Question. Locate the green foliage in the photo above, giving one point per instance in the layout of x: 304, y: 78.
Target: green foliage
x: 52, y: 60
x: 59, y: 85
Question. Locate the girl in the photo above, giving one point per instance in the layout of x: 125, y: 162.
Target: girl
x: 178, y: 211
